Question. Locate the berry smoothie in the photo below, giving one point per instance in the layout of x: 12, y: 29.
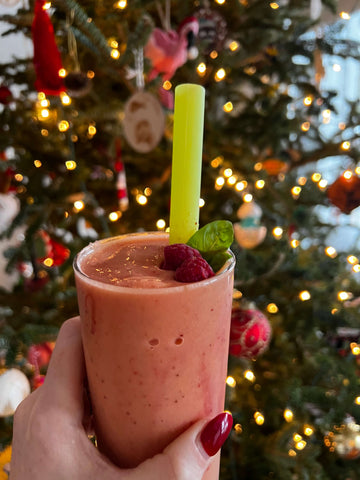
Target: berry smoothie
x: 156, y: 349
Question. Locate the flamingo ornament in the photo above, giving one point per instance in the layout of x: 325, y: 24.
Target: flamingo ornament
x: 169, y: 50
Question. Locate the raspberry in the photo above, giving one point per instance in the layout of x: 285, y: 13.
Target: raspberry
x: 175, y: 254
x: 193, y: 269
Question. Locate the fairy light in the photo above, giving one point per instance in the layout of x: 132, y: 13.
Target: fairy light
x: 48, y: 262
x: 345, y: 15
x: 217, y: 161
x: 259, y: 418
x: 114, y: 216
x: 201, y: 69
x: 220, y: 2
x: 115, y: 54
x: 41, y: 96
x: 326, y: 114
x: 331, y: 252
x: 228, y: 172
x: 345, y: 145
x: 356, y: 268
x: 234, y: 45
x: 44, y: 103
x: 347, y: 174
x: 238, y: 428
x: 63, y: 126
x: 37, y: 163
x: 65, y: 99
x: 308, y: 430
x: 294, y: 243
x: 91, y: 130
x: 18, y: 177
x: 167, y: 85
x: 258, y: 166
x: 357, y: 170
x: 141, y: 199
x: 220, y: 75
x: 297, y: 437
x: 232, y: 180
x: 302, y: 181
x: 288, y: 415
x: 357, y: 400
x: 113, y: 43
x: 213, y: 54
x: 46, y: 6
x: 316, y: 177
x: 79, y: 205
x: 342, y: 295
x: 308, y: 101
x: 90, y: 74
x: 219, y: 182
x: 274, y: 5
x: 44, y: 132
x: 292, y: 453
x: 336, y: 67
x: 70, y: 164
x: 277, y: 232
x: 230, y: 381
x: 295, y: 192
x: 62, y: 73
x: 160, y: 224
x: 121, y: 4
x: 352, y: 259
x: 74, y: 138
x: 44, y: 113
x: 305, y: 126
x: 259, y: 184
x: 272, y: 308
x: 304, y: 295
x: 228, y: 107
x: 249, y: 375
x: 240, y: 186
x: 322, y: 184
x: 355, y: 348
x: 247, y: 198
x: 300, y: 445
x: 147, y: 191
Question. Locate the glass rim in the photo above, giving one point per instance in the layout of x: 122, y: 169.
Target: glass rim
x: 228, y: 267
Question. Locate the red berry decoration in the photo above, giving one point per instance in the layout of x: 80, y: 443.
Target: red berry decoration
x: 193, y: 269
x: 5, y: 95
x: 250, y: 333
x: 175, y: 254
x: 344, y: 193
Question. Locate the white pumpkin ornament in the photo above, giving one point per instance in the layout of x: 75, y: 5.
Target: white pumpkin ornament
x: 14, y: 387
x: 248, y: 232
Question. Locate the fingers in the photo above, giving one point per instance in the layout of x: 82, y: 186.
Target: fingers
x: 190, y: 455
x: 64, y: 380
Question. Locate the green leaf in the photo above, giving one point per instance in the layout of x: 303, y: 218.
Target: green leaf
x: 213, y: 241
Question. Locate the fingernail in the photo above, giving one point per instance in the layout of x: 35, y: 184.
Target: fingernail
x: 216, y: 432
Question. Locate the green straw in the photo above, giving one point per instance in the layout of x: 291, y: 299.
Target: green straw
x: 186, y: 161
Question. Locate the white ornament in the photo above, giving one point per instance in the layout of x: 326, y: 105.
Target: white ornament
x: 14, y: 387
x: 249, y: 237
x: 249, y: 209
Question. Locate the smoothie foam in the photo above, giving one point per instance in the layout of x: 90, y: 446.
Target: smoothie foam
x: 156, y: 350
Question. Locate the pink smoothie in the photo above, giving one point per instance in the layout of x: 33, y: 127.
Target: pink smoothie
x: 156, y: 350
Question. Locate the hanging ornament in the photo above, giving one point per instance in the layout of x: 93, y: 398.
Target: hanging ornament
x: 47, y: 60
x: 345, y: 439
x: 274, y: 166
x: 14, y: 387
x: 39, y: 355
x: 77, y: 83
x: 250, y: 332
x: 248, y: 232
x: 86, y: 230
x: 55, y: 254
x: 344, y: 193
x: 121, y: 187
x: 169, y: 49
x: 5, y: 95
x: 212, y: 29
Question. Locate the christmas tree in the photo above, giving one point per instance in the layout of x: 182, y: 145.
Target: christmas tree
x: 280, y: 161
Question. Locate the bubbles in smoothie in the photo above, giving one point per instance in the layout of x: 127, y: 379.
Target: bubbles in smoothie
x: 154, y: 342
x: 179, y: 340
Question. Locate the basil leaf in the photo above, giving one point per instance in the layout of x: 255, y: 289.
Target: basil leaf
x: 217, y: 260
x: 214, y: 237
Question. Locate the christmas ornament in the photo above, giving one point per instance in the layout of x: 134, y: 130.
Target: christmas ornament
x: 144, y: 122
x: 169, y: 49
x: 39, y: 355
x: 121, y: 187
x: 250, y: 332
x: 344, y: 193
x: 345, y: 439
x: 55, y: 253
x: 274, y: 166
x: 47, y: 60
x: 37, y: 381
x: 248, y: 232
x: 14, y: 387
x: 212, y: 29
x: 5, y: 95
x: 77, y: 84
x: 85, y: 229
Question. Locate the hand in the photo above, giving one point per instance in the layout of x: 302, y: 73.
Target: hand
x: 50, y: 441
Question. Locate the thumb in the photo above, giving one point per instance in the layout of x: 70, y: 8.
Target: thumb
x: 191, y: 454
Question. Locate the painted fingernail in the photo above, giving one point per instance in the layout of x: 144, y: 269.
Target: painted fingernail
x: 216, y: 432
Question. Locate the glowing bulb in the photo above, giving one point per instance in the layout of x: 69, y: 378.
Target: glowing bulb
x: 220, y: 2
x: 345, y: 145
x: 336, y: 67
x: 288, y: 415
x: 201, y: 69
x: 356, y: 268
x: 274, y: 5
x: 90, y: 74
x: 249, y: 375
x: 37, y: 163
x: 302, y: 181
x: 228, y: 172
x: 259, y: 418
x: 304, y: 295
x: 294, y: 243
x: 201, y: 202
x: 113, y: 43
x: 233, y: 46
x: 63, y: 126
x: 121, y: 4
x: 322, y: 183
x: 228, y: 107
x: 219, y: 182
x: 114, y: 216
x: 308, y: 101
x: 259, y: 184
x: 352, y: 259
x: 295, y: 191
x: 46, y: 6
x: 65, y: 99
x: 277, y: 232
x: 45, y: 103
x: 316, y: 177
x: 45, y: 113
x: 161, y: 224
x: 91, y: 130
x: 213, y: 54
x: 216, y: 162
x: 62, y: 72
x: 272, y: 308
x: 240, y: 186
x: 238, y: 428
x: 115, y: 54
x: 220, y: 75
x: 70, y: 164
x: 258, y: 166
x: 305, y: 126
x: 167, y: 85
x: 331, y: 252
x: 345, y: 15
x: 231, y: 381
x: 300, y: 445
x: 357, y: 400
x: 292, y: 453
x: 48, y: 262
x: 79, y: 205
x: 342, y: 296
x: 355, y: 348
x: 141, y: 199
x: 147, y: 191
x: 232, y: 180
x: 18, y: 177
x: 297, y: 437
x: 247, y: 198
x: 347, y: 174
x: 308, y: 430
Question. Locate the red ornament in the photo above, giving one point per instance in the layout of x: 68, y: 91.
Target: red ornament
x: 5, y: 95
x: 39, y: 355
x: 250, y: 333
x: 37, y: 381
x: 344, y: 193
x: 121, y: 186
x: 47, y: 60
x: 169, y: 49
x: 56, y: 254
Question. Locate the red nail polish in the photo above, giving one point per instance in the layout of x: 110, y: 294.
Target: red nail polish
x: 215, y: 433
